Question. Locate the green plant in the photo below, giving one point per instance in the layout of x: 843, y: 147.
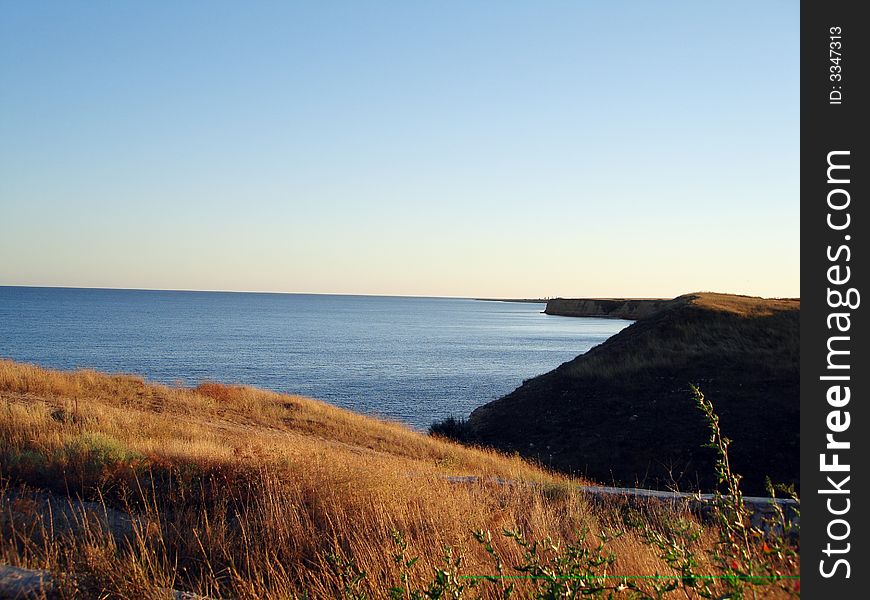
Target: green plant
x: 676, y: 545
x: 97, y: 448
x: 404, y: 564
x: 506, y: 587
x: 746, y: 556
x: 571, y: 570
x: 349, y: 574
x: 446, y: 581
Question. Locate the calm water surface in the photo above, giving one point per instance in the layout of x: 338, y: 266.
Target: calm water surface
x: 410, y: 359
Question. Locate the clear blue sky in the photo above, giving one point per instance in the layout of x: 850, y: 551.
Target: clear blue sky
x: 461, y: 148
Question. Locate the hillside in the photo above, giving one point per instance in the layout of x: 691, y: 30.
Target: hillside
x: 113, y: 487
x: 623, y: 413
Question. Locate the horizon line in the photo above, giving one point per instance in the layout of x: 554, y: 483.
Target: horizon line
x: 144, y: 289
x: 530, y: 299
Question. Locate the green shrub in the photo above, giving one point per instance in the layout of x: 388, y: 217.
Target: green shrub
x: 452, y: 428
x: 92, y: 457
x: 98, y: 448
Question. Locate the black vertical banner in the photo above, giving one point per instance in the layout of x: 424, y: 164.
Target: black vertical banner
x: 835, y: 368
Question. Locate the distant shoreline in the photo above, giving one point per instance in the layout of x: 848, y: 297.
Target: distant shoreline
x: 526, y: 300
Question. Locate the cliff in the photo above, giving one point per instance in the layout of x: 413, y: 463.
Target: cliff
x: 623, y: 412
x: 613, y: 308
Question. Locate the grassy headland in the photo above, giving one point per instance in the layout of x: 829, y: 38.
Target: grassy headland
x: 621, y: 412
x: 236, y: 492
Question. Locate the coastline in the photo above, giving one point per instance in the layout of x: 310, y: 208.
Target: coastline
x: 523, y: 300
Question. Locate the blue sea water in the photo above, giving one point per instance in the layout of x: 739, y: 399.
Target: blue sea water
x: 414, y: 360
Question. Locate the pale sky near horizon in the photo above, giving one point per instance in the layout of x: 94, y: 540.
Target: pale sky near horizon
x: 498, y: 148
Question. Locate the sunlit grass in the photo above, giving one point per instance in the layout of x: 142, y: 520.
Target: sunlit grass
x: 253, y: 494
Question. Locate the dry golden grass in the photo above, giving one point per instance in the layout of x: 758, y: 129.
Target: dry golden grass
x: 253, y: 494
x: 743, y: 306
x: 220, y: 424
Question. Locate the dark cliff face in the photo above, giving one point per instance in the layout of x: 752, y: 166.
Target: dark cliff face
x: 614, y: 308
x: 623, y: 412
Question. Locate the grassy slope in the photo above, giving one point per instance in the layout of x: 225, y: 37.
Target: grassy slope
x: 237, y: 492
x: 249, y: 493
x: 216, y: 424
x: 623, y: 412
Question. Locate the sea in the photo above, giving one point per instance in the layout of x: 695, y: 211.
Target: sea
x: 408, y: 359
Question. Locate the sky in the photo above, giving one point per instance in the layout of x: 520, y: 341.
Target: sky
x: 452, y: 148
